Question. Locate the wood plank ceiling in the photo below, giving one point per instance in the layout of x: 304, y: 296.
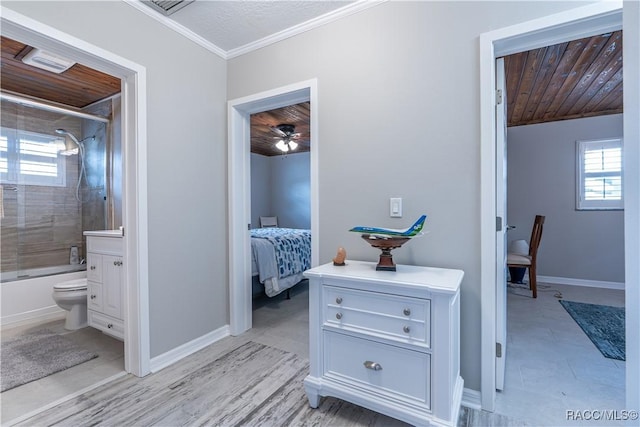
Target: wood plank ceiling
x: 78, y: 87
x: 581, y: 78
x: 263, y: 139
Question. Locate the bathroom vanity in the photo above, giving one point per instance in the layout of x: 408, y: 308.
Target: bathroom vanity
x: 105, y: 282
x: 386, y: 340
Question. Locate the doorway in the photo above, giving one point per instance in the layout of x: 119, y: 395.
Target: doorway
x: 133, y: 77
x: 239, y: 112
x: 552, y: 29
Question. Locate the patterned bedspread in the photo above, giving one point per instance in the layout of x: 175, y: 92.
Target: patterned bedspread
x: 292, y: 249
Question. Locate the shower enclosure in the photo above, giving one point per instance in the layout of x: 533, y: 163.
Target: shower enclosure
x: 59, y: 172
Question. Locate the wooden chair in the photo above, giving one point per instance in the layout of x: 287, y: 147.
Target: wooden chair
x: 529, y: 261
x: 268, y: 221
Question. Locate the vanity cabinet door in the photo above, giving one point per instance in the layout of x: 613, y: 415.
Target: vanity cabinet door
x: 112, y: 285
x: 94, y: 267
x: 94, y: 296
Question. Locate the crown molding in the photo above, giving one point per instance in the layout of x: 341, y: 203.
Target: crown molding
x: 350, y: 9
x: 181, y: 29
x: 334, y: 15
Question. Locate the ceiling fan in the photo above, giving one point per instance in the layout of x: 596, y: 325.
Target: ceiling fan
x: 286, y: 136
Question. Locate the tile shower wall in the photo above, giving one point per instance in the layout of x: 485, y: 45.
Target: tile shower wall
x: 40, y: 223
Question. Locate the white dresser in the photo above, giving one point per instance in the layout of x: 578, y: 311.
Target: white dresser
x: 387, y: 341
x: 105, y: 282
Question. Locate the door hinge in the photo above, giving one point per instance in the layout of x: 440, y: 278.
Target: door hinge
x: 498, y: 223
x: 249, y: 226
x: 498, y: 96
x: 498, y: 349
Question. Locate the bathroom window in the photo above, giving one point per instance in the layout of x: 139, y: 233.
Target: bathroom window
x: 32, y: 159
x: 599, y: 174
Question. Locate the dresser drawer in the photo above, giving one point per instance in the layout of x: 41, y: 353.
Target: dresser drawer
x: 400, y: 318
x: 400, y: 371
x: 107, y: 324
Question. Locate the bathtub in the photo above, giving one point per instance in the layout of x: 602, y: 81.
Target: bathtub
x: 11, y: 276
x: 26, y: 298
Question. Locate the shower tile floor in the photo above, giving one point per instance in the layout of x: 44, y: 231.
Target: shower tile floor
x: 36, y: 394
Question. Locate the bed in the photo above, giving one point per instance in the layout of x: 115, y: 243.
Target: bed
x: 279, y: 256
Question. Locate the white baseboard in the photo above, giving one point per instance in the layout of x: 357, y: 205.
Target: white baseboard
x: 582, y: 282
x: 471, y: 399
x: 45, y: 314
x: 178, y: 353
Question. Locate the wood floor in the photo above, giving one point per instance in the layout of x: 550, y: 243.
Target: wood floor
x: 199, y: 389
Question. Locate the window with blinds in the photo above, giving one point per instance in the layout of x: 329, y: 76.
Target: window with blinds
x: 599, y: 174
x: 31, y: 159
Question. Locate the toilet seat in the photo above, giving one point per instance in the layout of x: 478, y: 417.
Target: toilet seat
x: 71, y: 285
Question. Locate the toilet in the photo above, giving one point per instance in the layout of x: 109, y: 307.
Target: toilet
x: 72, y: 296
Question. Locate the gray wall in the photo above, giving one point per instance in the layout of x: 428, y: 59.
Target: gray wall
x: 280, y: 186
x: 398, y: 112
x: 541, y: 179
x: 398, y: 117
x: 187, y: 171
x: 260, y: 189
x: 290, y: 177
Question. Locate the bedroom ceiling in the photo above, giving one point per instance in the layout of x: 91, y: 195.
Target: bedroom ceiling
x: 262, y: 137
x: 581, y: 78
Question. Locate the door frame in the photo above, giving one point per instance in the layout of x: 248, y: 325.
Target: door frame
x: 239, y: 176
x: 569, y: 25
x: 134, y: 140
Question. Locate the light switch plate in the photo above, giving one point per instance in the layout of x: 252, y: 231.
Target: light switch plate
x: 395, y: 207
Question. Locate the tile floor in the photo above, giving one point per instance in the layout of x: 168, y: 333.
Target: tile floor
x: 36, y: 394
x: 551, y: 365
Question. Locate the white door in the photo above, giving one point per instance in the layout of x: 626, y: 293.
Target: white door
x: 501, y: 221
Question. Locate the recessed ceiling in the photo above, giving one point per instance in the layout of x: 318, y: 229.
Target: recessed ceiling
x: 263, y: 139
x: 581, y: 78
x: 79, y: 86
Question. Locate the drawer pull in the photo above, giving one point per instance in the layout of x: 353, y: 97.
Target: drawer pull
x: 110, y: 325
x: 338, y: 316
x: 338, y: 300
x: 93, y: 267
x: 93, y: 297
x: 406, y: 329
x: 373, y: 365
x: 406, y: 311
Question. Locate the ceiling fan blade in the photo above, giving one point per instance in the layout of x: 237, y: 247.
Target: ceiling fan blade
x: 278, y: 131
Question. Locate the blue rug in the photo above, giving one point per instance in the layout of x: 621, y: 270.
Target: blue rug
x: 603, y: 324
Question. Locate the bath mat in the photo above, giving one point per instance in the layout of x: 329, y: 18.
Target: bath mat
x: 603, y: 324
x: 35, y: 355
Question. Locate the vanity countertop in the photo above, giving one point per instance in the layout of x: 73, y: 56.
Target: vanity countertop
x: 104, y: 233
